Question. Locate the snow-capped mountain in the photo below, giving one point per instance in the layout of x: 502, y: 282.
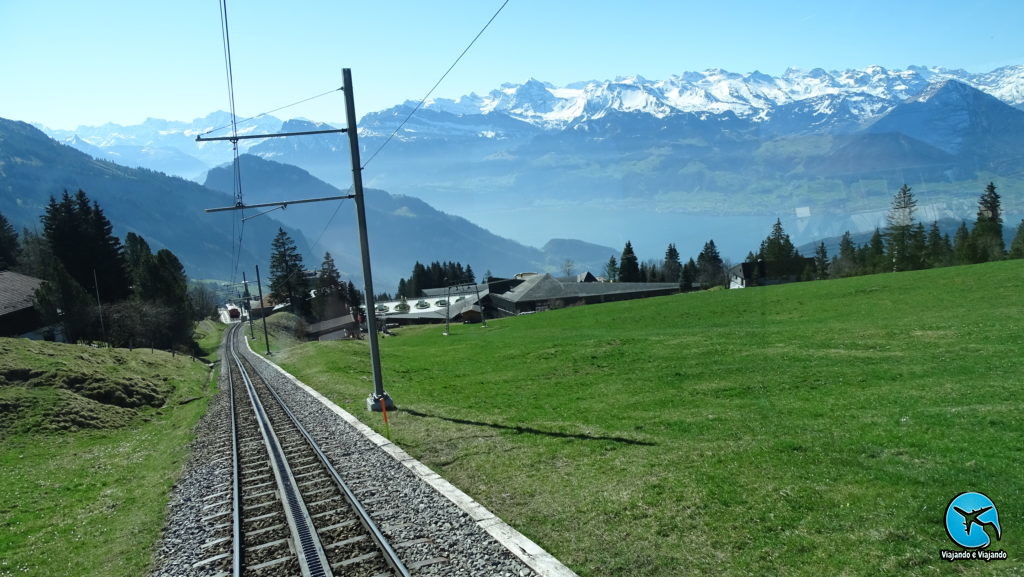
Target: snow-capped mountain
x: 165, y: 145
x: 753, y: 95
x: 600, y: 159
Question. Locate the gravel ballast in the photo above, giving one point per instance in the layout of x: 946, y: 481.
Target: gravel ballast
x: 435, y: 528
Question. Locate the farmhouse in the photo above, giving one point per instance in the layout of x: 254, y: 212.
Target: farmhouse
x: 342, y: 327
x: 18, y: 316
x: 764, y: 272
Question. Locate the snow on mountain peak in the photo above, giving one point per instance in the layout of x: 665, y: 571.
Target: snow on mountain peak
x: 719, y: 91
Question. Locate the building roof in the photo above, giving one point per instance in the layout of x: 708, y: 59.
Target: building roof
x: 331, y: 325
x: 463, y: 289
x: 16, y: 291
x: 546, y: 287
x: 433, y: 307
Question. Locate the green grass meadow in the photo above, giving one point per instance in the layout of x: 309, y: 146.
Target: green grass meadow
x: 808, y: 429
x: 91, y: 442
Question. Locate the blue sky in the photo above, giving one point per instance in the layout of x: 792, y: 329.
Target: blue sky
x: 68, y: 63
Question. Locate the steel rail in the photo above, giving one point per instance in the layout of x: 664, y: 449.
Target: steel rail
x: 312, y: 559
x: 237, y: 550
x: 390, y: 556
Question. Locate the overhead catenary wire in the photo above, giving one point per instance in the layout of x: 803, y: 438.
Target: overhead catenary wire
x: 278, y: 109
x: 436, y: 84
x: 236, y: 165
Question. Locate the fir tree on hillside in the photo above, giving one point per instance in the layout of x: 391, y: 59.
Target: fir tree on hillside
x: 331, y: 298
x: 611, y: 269
x: 81, y: 237
x: 8, y: 244
x: 287, y: 276
x: 688, y: 276
x: 163, y: 283
x: 62, y: 302
x: 778, y: 254
x: 710, y: 270
x: 900, y: 221
x: 672, y: 268
x: 872, y: 255
x: 939, y: 252
x: 963, y: 246
x: 845, y: 263
x: 629, y: 267
x: 777, y: 247
x: 136, y: 251
x: 1017, y: 245
x: 436, y: 275
x: 355, y: 297
x: 821, y: 262
x: 987, y: 235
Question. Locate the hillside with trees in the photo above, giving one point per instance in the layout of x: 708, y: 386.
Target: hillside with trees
x: 96, y: 288
x: 168, y: 211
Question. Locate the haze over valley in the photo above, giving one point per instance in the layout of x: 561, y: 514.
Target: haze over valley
x: 491, y: 180
x: 699, y: 155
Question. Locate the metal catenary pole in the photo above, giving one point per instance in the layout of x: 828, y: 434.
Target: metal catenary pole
x: 263, y: 312
x: 248, y: 303
x: 379, y: 396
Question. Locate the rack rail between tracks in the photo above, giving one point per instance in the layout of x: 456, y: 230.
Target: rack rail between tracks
x: 284, y: 484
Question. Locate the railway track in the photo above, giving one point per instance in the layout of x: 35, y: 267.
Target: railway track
x: 287, y: 510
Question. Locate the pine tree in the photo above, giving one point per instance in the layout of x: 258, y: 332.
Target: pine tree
x: 688, y: 276
x: 330, y: 296
x: 166, y: 285
x: 900, y: 221
x: 821, y: 262
x: 987, y: 235
x: 874, y: 258
x: 355, y: 296
x: 938, y: 252
x: 918, y: 248
x: 777, y: 247
x: 629, y: 267
x: 1017, y: 245
x: 8, y: 244
x: 778, y: 250
x: 35, y: 258
x: 82, y: 239
x: 709, y: 266
x: 963, y: 246
x: 136, y: 252
x: 287, y: 279
x: 418, y: 281
x: 611, y: 269
x: 62, y: 302
x: 845, y: 263
x: 672, y: 267
x: 110, y: 270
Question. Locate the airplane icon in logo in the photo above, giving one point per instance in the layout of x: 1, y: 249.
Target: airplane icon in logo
x: 972, y: 519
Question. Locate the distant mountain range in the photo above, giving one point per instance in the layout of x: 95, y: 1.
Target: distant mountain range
x: 402, y: 229
x: 169, y: 213
x: 700, y: 155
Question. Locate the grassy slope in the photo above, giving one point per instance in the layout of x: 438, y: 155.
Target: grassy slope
x: 808, y: 429
x: 85, y: 483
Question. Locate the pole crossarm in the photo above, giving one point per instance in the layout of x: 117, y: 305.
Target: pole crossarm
x: 275, y: 135
x: 283, y: 203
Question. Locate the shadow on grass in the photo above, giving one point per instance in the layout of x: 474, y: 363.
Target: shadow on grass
x: 531, y: 430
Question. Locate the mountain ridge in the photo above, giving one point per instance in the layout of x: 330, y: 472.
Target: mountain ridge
x: 532, y: 161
